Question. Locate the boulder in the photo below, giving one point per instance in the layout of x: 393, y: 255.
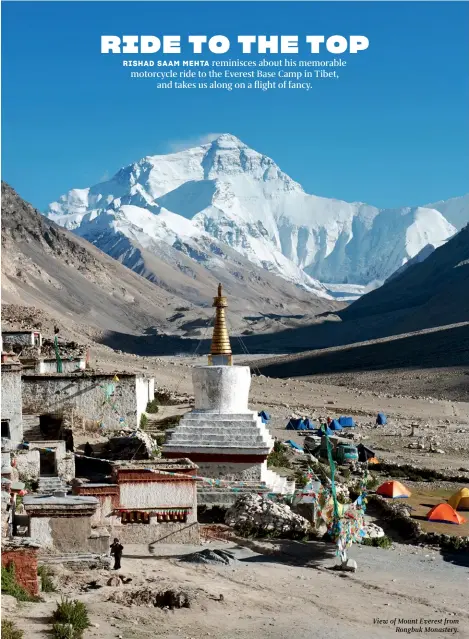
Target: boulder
x: 114, y: 581
x: 372, y: 531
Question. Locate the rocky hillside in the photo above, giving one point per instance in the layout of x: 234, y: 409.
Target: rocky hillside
x: 434, y: 292
x: 67, y: 278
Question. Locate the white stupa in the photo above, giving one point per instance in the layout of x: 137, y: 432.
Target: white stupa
x: 221, y: 435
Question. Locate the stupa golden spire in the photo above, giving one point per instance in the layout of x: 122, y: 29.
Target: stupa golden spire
x: 220, y: 351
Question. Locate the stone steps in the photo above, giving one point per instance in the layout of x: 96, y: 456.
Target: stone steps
x: 51, y: 485
x: 32, y: 434
x: 217, y: 428
x: 229, y: 437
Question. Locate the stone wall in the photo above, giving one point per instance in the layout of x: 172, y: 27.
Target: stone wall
x: 154, y: 532
x: 66, y: 467
x: 65, y: 534
x: 11, y: 401
x: 25, y: 562
x: 27, y: 464
x: 86, y: 395
x: 65, y: 462
x: 23, y: 339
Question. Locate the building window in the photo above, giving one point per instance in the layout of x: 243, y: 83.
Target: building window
x: 6, y: 429
x: 135, y: 517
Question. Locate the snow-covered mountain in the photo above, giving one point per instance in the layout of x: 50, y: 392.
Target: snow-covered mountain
x: 199, y: 200
x: 420, y: 257
x: 455, y: 210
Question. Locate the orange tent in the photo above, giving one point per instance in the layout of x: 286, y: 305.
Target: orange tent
x: 394, y: 489
x: 445, y: 514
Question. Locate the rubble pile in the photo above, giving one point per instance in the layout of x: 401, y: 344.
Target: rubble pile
x: 68, y: 350
x: 209, y: 556
x: 166, y: 397
x: 260, y: 516
x: 132, y: 445
x: 160, y: 599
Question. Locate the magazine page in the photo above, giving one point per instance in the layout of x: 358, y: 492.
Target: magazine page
x: 235, y: 319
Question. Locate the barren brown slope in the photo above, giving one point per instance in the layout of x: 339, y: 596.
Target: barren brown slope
x: 49, y: 268
x: 434, y: 292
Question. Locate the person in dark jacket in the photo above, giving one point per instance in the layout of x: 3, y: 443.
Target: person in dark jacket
x: 88, y: 450
x: 116, y: 551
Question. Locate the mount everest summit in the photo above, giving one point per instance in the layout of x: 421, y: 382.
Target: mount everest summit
x: 220, y: 199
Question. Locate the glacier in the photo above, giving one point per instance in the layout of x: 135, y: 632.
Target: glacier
x: 225, y: 193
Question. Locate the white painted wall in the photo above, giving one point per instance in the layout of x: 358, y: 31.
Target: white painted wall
x: 68, y: 366
x: 222, y: 389
x: 158, y: 494
x: 11, y: 402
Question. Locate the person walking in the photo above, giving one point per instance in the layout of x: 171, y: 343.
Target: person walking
x: 116, y: 551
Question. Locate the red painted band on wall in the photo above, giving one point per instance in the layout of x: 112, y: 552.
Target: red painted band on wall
x: 219, y: 458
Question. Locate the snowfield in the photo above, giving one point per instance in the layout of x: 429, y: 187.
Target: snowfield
x: 228, y: 193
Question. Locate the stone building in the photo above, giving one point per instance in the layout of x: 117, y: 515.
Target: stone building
x: 46, y: 458
x: 112, y: 401
x: 63, y: 523
x: 145, y: 504
x: 11, y: 411
x: 221, y: 435
x: 22, y: 338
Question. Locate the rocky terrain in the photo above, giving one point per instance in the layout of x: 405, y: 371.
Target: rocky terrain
x: 275, y: 591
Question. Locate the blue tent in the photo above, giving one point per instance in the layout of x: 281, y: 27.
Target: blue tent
x: 346, y: 422
x: 335, y: 425
x: 264, y: 416
x: 296, y: 424
x: 292, y: 444
x: 309, y: 425
x: 381, y: 420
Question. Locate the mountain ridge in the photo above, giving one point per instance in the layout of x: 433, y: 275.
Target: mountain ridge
x: 227, y: 192
x: 47, y: 267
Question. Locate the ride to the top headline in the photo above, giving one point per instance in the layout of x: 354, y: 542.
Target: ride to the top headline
x: 245, y: 44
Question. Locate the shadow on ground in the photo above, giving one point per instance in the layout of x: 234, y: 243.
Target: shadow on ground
x: 460, y: 558
x: 299, y: 553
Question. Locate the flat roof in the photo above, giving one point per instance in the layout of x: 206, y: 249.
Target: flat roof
x: 80, y: 374
x: 52, y: 500
x: 182, y: 463
x: 33, y: 330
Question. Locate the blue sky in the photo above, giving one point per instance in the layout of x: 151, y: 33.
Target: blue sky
x: 392, y: 131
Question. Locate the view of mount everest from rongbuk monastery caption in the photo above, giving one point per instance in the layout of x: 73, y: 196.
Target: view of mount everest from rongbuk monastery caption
x: 201, y: 199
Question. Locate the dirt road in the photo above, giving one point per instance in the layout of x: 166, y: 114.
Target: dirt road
x: 293, y: 595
